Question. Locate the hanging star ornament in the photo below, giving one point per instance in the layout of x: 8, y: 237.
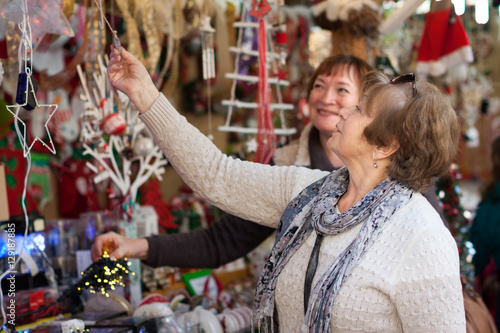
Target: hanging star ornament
x: 23, y: 138
x: 14, y: 110
x: 27, y: 87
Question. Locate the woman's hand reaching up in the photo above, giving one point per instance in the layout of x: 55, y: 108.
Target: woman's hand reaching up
x: 129, y: 75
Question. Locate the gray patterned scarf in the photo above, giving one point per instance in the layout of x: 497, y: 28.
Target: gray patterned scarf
x: 319, y: 199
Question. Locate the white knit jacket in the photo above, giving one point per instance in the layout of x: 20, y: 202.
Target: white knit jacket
x: 409, y: 280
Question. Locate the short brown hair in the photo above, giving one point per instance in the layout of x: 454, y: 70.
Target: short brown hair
x: 425, y: 126
x: 337, y: 62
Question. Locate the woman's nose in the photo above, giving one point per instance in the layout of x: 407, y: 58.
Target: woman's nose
x: 329, y: 96
x: 347, y: 112
x: 344, y: 113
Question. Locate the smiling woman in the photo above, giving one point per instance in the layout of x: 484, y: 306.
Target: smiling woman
x: 377, y: 255
x: 334, y: 85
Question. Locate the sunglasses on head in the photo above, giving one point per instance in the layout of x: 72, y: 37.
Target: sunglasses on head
x: 405, y: 79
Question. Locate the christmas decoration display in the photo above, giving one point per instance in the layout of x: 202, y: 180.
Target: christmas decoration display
x: 185, y: 46
x: 115, y: 153
x: 266, y: 139
x: 469, y: 95
x: 398, y: 16
x: 208, y: 64
x: 207, y: 45
x: 25, y: 98
x: 268, y: 59
x: 80, y: 193
x: 448, y: 192
x: 103, y: 275
x: 1, y: 73
x: 359, y: 17
x: 444, y: 43
x: 48, y: 17
x: 15, y: 173
x: 151, y: 196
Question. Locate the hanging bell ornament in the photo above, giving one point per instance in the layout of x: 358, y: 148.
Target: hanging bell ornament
x: 143, y: 146
x: 114, y: 124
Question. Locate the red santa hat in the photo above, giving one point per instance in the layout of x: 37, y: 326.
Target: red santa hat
x: 444, y: 43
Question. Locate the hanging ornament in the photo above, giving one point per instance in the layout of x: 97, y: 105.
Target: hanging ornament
x: 1, y: 73
x: 90, y: 131
x: 114, y: 155
x: 143, y: 146
x: 444, y: 43
x: 260, y: 9
x: 114, y: 124
x: 208, y: 64
x: 266, y: 138
x: 27, y: 87
x: 47, y: 17
x: 280, y: 40
x: 207, y: 44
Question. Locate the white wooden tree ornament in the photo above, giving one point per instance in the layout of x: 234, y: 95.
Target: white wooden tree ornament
x: 116, y: 155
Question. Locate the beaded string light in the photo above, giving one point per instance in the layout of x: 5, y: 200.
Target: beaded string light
x: 104, y: 274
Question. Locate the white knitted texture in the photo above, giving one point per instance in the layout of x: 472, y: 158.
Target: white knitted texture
x: 407, y: 281
x: 252, y: 191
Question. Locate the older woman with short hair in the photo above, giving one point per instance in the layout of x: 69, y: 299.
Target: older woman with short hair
x: 423, y: 126
x: 358, y: 249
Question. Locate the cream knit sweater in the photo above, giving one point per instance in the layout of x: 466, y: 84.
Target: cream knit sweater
x: 407, y: 281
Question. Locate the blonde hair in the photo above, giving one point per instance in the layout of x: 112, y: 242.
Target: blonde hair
x: 425, y: 126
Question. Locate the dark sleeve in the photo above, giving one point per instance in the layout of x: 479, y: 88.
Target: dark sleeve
x: 431, y: 196
x: 478, y: 236
x: 219, y: 244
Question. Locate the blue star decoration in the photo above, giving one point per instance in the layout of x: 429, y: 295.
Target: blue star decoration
x: 14, y: 110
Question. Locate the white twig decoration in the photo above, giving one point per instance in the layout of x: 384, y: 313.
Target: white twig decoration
x: 114, y: 153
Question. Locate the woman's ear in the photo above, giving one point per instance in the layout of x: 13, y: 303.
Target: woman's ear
x: 386, y: 151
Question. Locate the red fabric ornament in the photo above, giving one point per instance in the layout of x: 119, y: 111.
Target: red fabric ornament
x: 281, y: 38
x: 444, y: 43
x: 76, y: 189
x: 15, y: 172
x: 259, y: 10
x: 3, y: 49
x: 266, y: 138
x: 114, y: 124
x: 151, y: 196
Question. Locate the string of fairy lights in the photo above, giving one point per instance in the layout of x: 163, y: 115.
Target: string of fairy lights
x: 102, y: 276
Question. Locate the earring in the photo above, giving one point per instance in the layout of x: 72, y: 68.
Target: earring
x: 375, y: 164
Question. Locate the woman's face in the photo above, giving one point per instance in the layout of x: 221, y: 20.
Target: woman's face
x: 347, y: 140
x: 329, y: 94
